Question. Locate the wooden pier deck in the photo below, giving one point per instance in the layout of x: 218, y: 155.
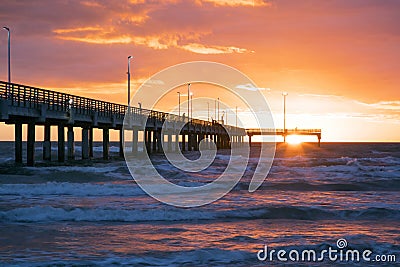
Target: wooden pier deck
x: 22, y: 104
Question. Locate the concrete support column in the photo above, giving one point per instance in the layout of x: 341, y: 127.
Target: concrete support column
x: 183, y: 142
x: 30, y: 146
x: 176, y: 142
x: 106, y: 143
x: 190, y: 142
x: 135, y: 139
x: 154, y: 141
x: 46, y: 143
x: 18, y: 142
x: 61, y: 143
x: 85, y: 143
x: 71, y: 143
x: 169, y: 142
x: 196, y: 140
x: 121, y: 143
x: 148, y: 141
x: 209, y: 141
x: 91, y: 142
x: 160, y: 139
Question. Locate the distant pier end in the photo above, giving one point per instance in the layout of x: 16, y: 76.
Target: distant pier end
x: 285, y: 132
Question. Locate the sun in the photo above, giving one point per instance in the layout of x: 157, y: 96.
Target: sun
x: 293, y: 139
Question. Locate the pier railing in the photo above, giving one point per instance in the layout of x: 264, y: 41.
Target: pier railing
x: 32, y: 97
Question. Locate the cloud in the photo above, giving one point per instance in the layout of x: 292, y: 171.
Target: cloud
x: 387, y: 105
x: 98, y: 35
x: 90, y: 4
x: 236, y: 3
x: 251, y: 87
x: 77, y: 30
x: 202, y: 49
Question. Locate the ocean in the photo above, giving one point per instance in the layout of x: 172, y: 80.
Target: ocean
x: 91, y: 213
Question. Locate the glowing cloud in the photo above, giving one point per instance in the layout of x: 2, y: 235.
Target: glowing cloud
x: 97, y: 35
x: 202, y: 49
x: 251, y: 87
x: 253, y: 3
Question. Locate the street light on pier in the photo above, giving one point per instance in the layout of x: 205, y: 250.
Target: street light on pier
x: 284, y: 116
x: 188, y: 95
x: 208, y: 111
x: 179, y: 104
x: 129, y: 78
x: 9, y: 56
x: 191, y: 104
x: 236, y: 116
x: 140, y: 107
x: 215, y: 109
x: 218, y: 111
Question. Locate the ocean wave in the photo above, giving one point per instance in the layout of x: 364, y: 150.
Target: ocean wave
x: 87, y: 169
x: 330, y: 185
x: 74, y: 189
x: 48, y: 213
x: 196, y: 257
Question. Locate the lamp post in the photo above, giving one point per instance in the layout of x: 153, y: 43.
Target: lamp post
x: 218, y: 111
x: 129, y: 78
x: 188, y: 93
x: 140, y: 107
x: 215, y: 109
x: 236, y: 117
x: 284, y: 116
x: 179, y: 104
x: 208, y: 111
x: 9, y: 55
x: 191, y: 105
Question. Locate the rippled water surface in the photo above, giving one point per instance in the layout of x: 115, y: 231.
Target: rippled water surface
x: 92, y: 213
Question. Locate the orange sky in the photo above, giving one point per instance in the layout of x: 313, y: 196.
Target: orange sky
x: 338, y: 60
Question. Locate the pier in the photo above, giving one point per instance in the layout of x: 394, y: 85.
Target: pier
x: 22, y: 104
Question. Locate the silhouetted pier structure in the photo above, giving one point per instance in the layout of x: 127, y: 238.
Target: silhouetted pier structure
x: 285, y: 132
x: 22, y: 104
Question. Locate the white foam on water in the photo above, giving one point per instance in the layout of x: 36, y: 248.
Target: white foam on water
x: 86, y: 169
x: 196, y: 257
x: 73, y: 189
x: 42, y: 213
